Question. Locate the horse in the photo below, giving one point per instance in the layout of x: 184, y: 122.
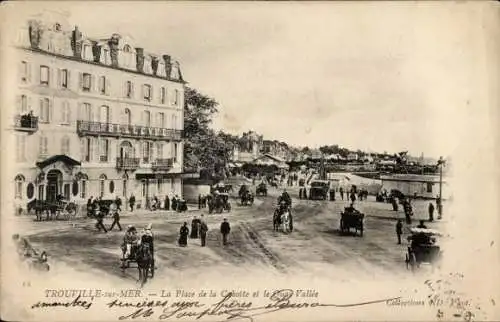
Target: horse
x: 145, y: 262
x: 276, y: 220
x: 285, y: 222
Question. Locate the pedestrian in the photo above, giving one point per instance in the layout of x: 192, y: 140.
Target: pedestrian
x: 353, y: 197
x: 116, y: 219
x: 118, y: 203
x: 341, y: 193
x: 195, y: 225
x: 174, y: 203
x: 90, y: 207
x: 399, y: 230
x: 431, y: 212
x: 203, y: 231
x: 332, y: 194
x: 167, y: 203
x: 183, y: 235
x: 225, y: 228
x: 99, y: 215
x: 131, y: 202
x: 300, y: 193
x: 199, y: 201
x: 394, y: 204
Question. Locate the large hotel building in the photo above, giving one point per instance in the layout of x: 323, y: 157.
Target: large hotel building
x: 93, y: 117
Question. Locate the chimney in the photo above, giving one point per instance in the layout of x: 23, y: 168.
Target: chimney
x: 113, y: 43
x: 154, y: 64
x: 96, y: 50
x: 76, y: 42
x: 35, y: 34
x: 168, y: 65
x: 140, y: 59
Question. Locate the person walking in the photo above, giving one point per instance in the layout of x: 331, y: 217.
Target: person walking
x: 116, y: 219
x: 183, y: 235
x: 399, y: 230
x: 203, y: 231
x: 131, y: 202
x: 225, y: 228
x: 99, y: 215
x: 167, y: 203
x: 174, y: 203
x: 341, y: 193
x: 195, y: 226
x: 199, y: 201
x: 431, y: 212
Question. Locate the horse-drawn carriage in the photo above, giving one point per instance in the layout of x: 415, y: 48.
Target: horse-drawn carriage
x: 261, y: 189
x: 218, y: 202
x: 246, y: 196
x: 181, y: 205
x: 52, y: 209
x: 422, y: 248
x: 282, y: 217
x: 351, y: 218
x: 142, y: 256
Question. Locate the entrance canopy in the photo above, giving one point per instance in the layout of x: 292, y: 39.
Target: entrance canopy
x: 153, y: 175
x: 58, y: 158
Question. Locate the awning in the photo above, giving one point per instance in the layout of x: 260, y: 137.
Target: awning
x: 154, y: 175
x: 60, y: 157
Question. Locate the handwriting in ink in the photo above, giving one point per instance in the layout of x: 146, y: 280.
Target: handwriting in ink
x: 75, y: 303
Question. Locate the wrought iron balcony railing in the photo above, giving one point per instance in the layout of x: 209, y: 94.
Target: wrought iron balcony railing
x: 127, y: 163
x: 130, y: 131
x: 162, y: 164
x: 27, y: 123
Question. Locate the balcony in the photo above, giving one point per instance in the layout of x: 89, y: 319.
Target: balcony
x: 26, y: 123
x: 162, y: 164
x: 127, y: 163
x: 127, y: 131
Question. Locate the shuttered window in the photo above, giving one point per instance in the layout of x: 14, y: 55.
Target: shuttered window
x: 44, y: 110
x: 65, y: 145
x: 146, y: 89
x: 66, y: 113
x: 43, y: 148
x: 44, y: 75
x: 86, y: 82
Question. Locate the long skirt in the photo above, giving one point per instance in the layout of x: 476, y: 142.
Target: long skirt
x: 183, y: 240
x: 194, y: 232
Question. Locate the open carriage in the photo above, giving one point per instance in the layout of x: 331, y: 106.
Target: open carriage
x: 53, y: 210
x: 261, y: 189
x: 351, y: 218
x: 218, y: 203
x: 422, y: 248
x: 246, y: 196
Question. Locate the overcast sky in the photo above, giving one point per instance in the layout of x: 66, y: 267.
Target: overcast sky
x: 372, y: 76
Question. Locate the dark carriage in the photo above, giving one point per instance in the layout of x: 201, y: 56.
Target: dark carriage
x: 52, y: 209
x: 319, y: 190
x: 422, y: 248
x: 247, y: 198
x: 261, y: 189
x: 218, y: 203
x: 352, y: 218
x: 181, y: 205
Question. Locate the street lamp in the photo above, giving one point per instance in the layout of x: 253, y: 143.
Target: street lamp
x: 440, y: 164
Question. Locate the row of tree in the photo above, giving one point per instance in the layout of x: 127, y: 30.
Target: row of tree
x: 208, y: 150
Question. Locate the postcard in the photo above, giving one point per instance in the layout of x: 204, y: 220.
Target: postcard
x: 256, y: 161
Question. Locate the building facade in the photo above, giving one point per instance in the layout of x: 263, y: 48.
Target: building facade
x: 425, y: 186
x: 94, y: 117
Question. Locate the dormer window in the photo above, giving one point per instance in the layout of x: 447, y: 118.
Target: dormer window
x: 87, y: 52
x: 106, y: 55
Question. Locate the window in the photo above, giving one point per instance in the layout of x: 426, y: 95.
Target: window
x: 43, y: 145
x: 147, y: 151
x: 102, y: 84
x: 19, y: 186
x: 66, y: 116
x: 128, y: 89
x: 102, y: 180
x: 124, y: 188
x: 86, y: 149
x: 106, y: 56
x: 65, y: 145
x: 174, y: 121
x: 147, y: 92
x: 44, y: 75
x: 161, y: 120
x: 163, y: 95
x: 128, y: 116
x: 87, y: 112
x: 111, y: 186
x: 74, y: 188
x: 104, y: 150
x: 176, y: 97
x: 147, y: 118
x: 429, y: 187
x: 159, y: 150
x: 64, y: 78
x: 87, y: 52
x: 86, y: 82
x: 83, y: 190
x: 44, y: 110
x: 20, y: 148
x: 175, y: 152
x: 24, y: 71
x: 24, y: 105
x: 30, y: 190
x: 159, y: 186
x: 41, y: 188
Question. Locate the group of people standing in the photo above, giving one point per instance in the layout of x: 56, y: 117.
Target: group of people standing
x: 199, y: 229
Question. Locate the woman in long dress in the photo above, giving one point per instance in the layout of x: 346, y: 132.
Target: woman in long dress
x: 184, y: 232
x: 195, y: 224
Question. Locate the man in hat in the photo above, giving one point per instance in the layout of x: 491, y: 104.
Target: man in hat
x: 148, y: 238
x: 99, y: 215
x: 130, y: 241
x: 116, y: 217
x: 203, y: 231
x: 225, y: 228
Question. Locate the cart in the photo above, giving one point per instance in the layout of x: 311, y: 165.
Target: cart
x: 352, y: 218
x: 422, y: 248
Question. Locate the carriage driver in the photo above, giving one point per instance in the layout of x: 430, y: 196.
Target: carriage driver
x: 286, y: 197
x: 147, y: 237
x: 130, y: 241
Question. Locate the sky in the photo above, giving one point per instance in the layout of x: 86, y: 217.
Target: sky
x: 370, y: 76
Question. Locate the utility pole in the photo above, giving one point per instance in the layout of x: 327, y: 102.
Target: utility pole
x: 440, y: 163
